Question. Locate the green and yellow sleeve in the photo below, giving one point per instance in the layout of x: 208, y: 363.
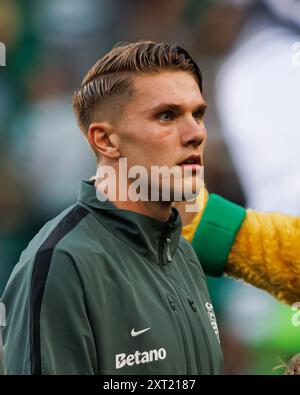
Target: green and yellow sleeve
x: 262, y: 249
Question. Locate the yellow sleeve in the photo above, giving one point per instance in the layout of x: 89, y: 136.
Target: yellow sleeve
x: 264, y: 250
x: 189, y: 230
x: 266, y: 254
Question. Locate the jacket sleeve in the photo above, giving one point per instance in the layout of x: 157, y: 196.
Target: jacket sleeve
x: 262, y: 249
x: 66, y: 338
x: 266, y: 254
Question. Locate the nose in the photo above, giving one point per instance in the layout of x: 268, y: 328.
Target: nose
x: 194, y: 134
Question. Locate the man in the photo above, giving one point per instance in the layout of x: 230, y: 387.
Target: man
x: 109, y: 286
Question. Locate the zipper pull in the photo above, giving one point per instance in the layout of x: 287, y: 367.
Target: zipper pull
x: 171, y: 302
x: 169, y: 258
x: 192, y: 304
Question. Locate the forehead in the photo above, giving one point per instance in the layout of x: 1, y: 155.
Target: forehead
x: 176, y: 87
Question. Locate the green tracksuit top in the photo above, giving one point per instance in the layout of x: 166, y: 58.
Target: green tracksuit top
x: 101, y: 290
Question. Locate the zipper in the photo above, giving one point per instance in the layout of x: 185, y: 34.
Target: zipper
x: 169, y: 258
x: 174, y: 308
x: 206, y: 340
x: 192, y: 304
x: 198, y: 358
x: 162, y: 240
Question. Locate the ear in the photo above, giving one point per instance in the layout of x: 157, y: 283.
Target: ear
x: 100, y: 139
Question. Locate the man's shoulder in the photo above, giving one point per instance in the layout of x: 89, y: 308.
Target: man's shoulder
x: 188, y: 250
x: 72, y: 231
x: 190, y: 256
x: 72, y: 240
x: 77, y: 232
x: 185, y: 245
x: 55, y: 230
x: 81, y: 231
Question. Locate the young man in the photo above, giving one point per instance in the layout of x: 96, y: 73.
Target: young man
x: 109, y: 286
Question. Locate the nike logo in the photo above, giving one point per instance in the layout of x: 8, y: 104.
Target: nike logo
x: 137, y: 333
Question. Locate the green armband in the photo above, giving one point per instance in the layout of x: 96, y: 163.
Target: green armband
x: 216, y: 233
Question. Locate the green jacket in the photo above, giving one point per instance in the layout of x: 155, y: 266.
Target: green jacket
x: 101, y: 290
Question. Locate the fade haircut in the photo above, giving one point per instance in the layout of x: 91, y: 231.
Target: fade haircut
x: 113, y: 74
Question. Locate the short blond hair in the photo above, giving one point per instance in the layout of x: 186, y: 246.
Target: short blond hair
x: 112, y: 74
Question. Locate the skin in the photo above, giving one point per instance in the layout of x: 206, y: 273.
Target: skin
x: 161, y: 124
x: 186, y: 216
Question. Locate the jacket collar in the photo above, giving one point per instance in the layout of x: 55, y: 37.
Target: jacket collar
x: 145, y: 234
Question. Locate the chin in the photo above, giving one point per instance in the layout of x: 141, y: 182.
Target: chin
x: 187, y: 192
x: 191, y: 188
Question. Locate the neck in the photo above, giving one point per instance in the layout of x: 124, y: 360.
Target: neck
x: 186, y: 216
x: 157, y: 210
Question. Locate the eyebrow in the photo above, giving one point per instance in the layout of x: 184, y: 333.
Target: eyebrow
x: 177, y: 107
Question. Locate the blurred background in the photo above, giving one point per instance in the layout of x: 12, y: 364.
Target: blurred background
x: 251, y: 82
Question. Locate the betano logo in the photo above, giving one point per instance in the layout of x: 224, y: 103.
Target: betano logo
x: 2, y: 54
x: 139, y: 357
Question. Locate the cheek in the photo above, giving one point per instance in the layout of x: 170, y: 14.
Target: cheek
x: 203, y: 138
x: 148, y: 143
x: 149, y: 137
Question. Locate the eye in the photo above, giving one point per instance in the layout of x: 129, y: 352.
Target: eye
x: 198, y: 115
x: 165, y: 116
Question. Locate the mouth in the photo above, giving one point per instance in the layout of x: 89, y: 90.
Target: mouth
x: 193, y: 160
